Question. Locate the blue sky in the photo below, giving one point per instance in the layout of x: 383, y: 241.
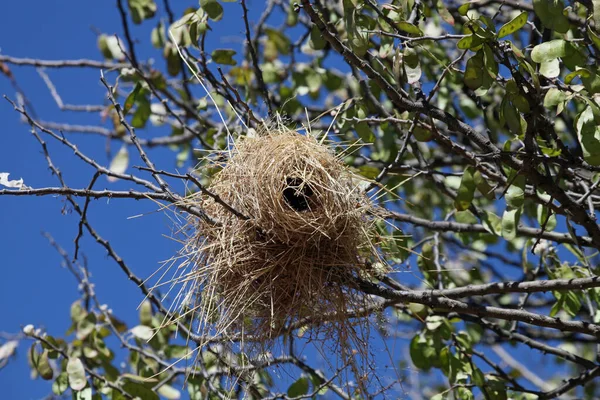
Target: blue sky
x: 34, y: 289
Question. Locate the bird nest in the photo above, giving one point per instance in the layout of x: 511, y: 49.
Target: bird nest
x: 301, y: 233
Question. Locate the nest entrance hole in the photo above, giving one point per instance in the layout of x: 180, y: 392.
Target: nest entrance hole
x: 297, y: 194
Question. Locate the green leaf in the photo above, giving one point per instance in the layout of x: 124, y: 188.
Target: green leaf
x: 417, y: 349
x: 575, y: 57
x: 542, y: 215
x: 521, y: 103
x: 317, y: 41
x: 465, y: 217
x: 298, y: 388
x: 88, y: 324
x: 478, y: 378
x: 588, y: 133
x: 466, y: 190
x: 139, y: 390
x: 596, y: 13
x: 492, y: 222
x: 510, y: 222
x: 141, y: 10
x: 474, y: 72
x: 313, y: 81
x: 158, y: 36
x: 279, y: 40
x: 550, y: 69
x: 464, y: 394
x: 572, y: 304
x: 551, y: 14
x: 76, y: 373
x: 556, y: 307
x: 316, y: 382
x: 514, y: 25
x: 224, y: 56
x: 86, y: 394
x: 111, y: 47
x: 7, y: 350
x: 77, y: 311
x: 548, y: 51
x: 514, y: 120
x: 422, y: 134
x: 515, y: 195
x: 469, y: 42
x: 213, y: 9
x: 169, y: 392
x: 591, y: 81
x: 554, y: 97
x: 130, y: 100
x: 412, y: 67
x: 119, y: 163
x: 409, y: 28
x: 365, y: 132
x: 593, y: 35
x: 61, y: 384
x: 142, y: 113
x: 462, y: 10
x: 195, y: 388
x: 142, y: 332
x: 40, y: 362
x: 146, y: 313
x: 444, y: 13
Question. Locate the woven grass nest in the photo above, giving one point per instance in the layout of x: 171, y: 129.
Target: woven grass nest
x: 307, y: 234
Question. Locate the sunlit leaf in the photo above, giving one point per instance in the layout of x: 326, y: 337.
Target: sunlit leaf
x: 411, y: 64
x: 514, y: 25
x: 409, y: 28
x: 596, y: 12
x: 462, y: 10
x: 142, y: 332
x: 169, y: 392
x: 548, y: 51
x: 119, y: 163
x: 550, y: 69
x: 515, y: 195
x: 510, y: 222
x: 588, y: 133
x: 76, y: 373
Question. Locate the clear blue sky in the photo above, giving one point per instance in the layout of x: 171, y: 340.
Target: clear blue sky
x: 34, y: 289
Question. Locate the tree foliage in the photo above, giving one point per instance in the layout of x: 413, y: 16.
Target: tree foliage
x: 480, y: 121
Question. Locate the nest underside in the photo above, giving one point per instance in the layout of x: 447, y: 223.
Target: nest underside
x: 307, y: 235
